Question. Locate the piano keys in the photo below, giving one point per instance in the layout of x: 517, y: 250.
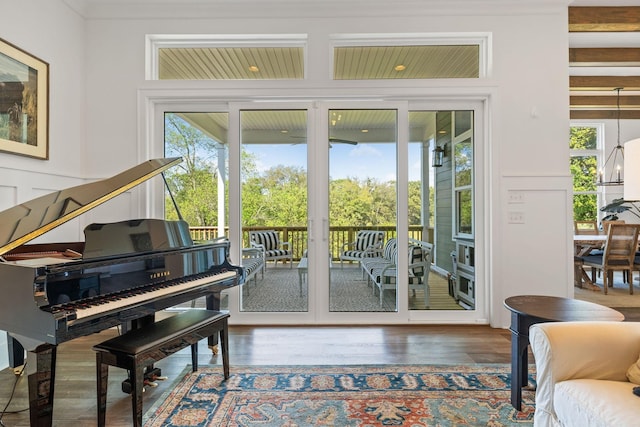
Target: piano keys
x: 122, y: 274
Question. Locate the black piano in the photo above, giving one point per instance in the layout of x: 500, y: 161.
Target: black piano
x: 122, y: 274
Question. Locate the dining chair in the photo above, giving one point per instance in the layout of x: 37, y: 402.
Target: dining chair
x: 605, y: 224
x: 585, y: 227
x: 619, y: 253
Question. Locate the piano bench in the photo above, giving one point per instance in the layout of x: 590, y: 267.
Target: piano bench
x: 140, y: 348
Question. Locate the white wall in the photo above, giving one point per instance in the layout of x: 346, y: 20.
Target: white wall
x: 54, y: 33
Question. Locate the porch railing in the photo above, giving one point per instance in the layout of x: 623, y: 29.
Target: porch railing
x: 297, y: 236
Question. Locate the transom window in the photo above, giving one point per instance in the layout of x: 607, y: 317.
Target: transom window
x: 283, y: 57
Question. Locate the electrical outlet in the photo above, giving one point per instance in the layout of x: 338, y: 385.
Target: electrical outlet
x: 516, y: 218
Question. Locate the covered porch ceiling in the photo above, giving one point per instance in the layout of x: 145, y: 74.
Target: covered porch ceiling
x: 290, y: 126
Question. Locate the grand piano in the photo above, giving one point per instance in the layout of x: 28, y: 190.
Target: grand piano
x: 122, y: 274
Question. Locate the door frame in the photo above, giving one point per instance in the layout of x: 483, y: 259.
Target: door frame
x: 153, y: 104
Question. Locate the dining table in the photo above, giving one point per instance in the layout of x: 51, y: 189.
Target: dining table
x: 584, y: 244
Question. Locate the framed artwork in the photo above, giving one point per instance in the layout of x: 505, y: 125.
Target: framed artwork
x: 24, y: 103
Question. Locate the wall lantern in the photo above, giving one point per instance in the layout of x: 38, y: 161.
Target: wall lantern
x: 437, y: 157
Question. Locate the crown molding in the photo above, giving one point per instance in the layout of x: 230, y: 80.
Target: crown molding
x: 163, y: 9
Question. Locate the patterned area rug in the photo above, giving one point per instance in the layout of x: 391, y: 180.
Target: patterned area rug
x: 342, y: 396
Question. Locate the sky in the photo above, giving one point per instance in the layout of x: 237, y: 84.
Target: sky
x: 346, y: 161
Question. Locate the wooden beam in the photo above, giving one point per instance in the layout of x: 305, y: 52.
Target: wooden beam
x: 595, y: 101
x: 604, y: 82
x: 604, y: 114
x: 604, y: 19
x: 611, y: 56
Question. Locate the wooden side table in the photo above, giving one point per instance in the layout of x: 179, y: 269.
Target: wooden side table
x: 527, y: 310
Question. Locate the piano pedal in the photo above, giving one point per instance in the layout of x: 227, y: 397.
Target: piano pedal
x: 126, y: 385
x: 159, y: 378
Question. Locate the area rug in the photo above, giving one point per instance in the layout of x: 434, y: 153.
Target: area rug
x: 279, y: 291
x: 344, y: 396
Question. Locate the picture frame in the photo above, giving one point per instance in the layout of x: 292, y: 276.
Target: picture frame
x: 24, y: 103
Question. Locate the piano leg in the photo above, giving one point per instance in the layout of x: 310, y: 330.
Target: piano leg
x: 16, y: 352
x: 213, y: 303
x: 41, y: 385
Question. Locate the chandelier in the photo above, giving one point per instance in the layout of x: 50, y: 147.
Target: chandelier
x: 616, y: 157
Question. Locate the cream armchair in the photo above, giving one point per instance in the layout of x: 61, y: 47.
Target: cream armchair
x: 581, y: 373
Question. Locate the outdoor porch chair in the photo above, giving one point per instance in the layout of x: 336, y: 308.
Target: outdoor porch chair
x: 368, y: 244
x: 273, y: 249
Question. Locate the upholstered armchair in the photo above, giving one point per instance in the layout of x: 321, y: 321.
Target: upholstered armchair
x: 586, y: 373
x: 368, y: 244
x: 272, y: 248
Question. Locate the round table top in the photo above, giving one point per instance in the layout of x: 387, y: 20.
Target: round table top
x: 559, y: 309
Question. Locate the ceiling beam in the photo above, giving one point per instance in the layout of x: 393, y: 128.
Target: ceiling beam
x: 604, y: 82
x: 604, y: 19
x: 605, y: 101
x: 610, y: 56
x: 604, y: 114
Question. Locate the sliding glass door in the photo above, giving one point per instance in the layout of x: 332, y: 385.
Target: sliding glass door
x: 274, y: 189
x: 338, y: 211
x: 362, y: 208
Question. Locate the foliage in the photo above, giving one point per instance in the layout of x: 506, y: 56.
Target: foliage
x: 274, y: 197
x: 619, y: 206
x: 584, y: 171
x: 194, y: 181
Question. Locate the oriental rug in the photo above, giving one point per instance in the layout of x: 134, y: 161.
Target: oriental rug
x: 343, y: 396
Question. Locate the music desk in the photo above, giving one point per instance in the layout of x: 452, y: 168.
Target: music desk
x: 527, y: 310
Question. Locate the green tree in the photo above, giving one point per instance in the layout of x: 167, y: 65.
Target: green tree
x: 350, y: 203
x: 584, y: 171
x: 275, y: 198
x: 193, y: 182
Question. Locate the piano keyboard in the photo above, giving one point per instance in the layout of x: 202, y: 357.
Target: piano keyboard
x: 101, y: 304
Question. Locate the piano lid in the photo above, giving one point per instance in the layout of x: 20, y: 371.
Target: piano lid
x: 23, y: 223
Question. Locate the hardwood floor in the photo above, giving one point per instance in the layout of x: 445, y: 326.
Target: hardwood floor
x: 75, y: 385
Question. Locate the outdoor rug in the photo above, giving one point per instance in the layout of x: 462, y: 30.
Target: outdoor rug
x: 343, y: 396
